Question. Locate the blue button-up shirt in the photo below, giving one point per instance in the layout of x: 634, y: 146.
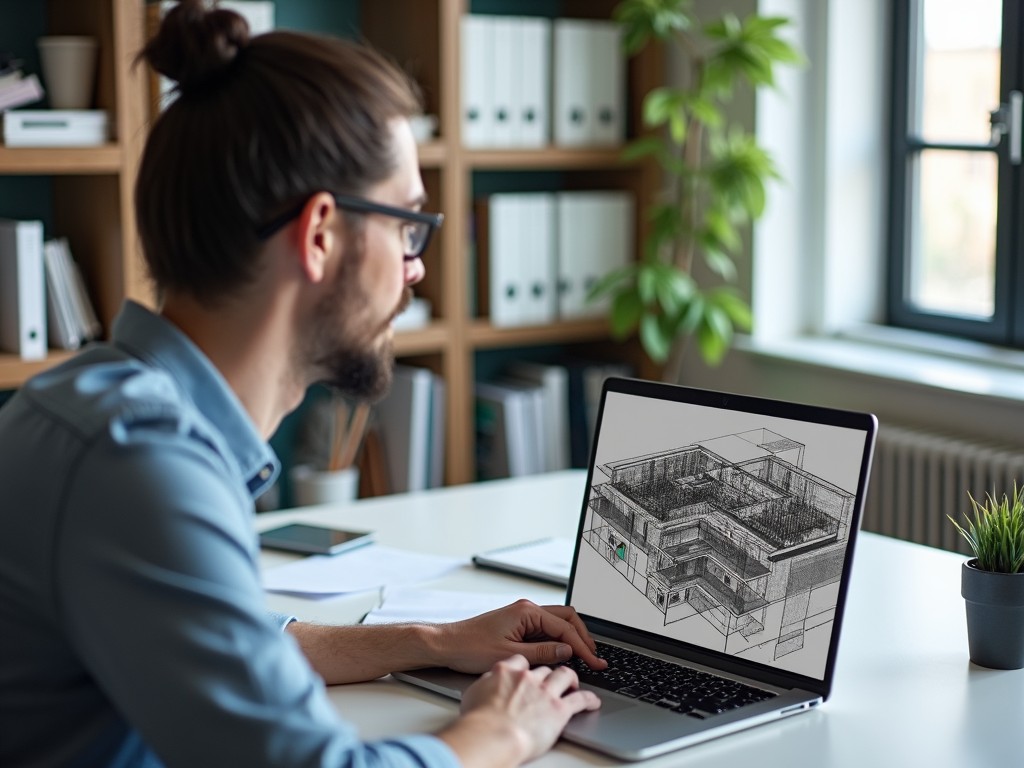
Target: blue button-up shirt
x: 133, y: 628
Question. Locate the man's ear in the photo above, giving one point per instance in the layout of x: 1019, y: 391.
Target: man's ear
x: 315, y: 235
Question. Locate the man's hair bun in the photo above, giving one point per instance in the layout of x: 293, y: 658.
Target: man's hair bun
x: 196, y: 46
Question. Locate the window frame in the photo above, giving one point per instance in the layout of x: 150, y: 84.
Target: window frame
x: 1006, y: 325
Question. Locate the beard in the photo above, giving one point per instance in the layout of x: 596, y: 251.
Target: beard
x: 362, y: 371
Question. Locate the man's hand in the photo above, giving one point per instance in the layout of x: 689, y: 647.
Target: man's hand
x: 514, y: 714
x: 542, y: 634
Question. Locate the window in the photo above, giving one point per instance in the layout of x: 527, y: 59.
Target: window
x: 957, y: 260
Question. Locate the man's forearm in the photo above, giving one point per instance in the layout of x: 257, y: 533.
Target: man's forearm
x: 352, y: 654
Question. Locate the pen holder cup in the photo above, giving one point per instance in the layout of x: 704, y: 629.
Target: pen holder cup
x: 69, y: 70
x: 313, y: 486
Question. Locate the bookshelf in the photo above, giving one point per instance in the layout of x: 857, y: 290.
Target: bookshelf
x: 84, y: 194
x: 423, y: 37
x: 428, y: 47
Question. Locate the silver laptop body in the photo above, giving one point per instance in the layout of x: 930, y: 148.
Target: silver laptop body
x: 717, y: 531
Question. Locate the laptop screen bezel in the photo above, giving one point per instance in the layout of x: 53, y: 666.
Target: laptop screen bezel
x: 855, y: 420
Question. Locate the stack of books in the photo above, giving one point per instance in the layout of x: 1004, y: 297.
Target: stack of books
x: 16, y: 88
x: 71, y: 319
x: 539, y: 417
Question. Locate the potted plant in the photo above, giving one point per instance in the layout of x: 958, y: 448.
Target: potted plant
x: 715, y: 176
x: 992, y: 583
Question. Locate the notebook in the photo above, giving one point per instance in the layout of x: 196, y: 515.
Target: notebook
x: 548, y: 559
x: 715, y: 539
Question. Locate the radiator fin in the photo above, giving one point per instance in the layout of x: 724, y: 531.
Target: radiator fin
x: 918, y: 478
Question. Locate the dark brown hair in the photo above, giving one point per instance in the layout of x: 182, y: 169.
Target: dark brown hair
x: 258, y: 125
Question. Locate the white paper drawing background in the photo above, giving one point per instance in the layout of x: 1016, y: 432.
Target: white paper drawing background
x: 634, y: 426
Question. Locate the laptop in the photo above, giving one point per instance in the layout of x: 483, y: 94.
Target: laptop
x: 715, y: 543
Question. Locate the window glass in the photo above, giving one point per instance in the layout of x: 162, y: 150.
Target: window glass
x: 958, y: 60
x: 953, y: 250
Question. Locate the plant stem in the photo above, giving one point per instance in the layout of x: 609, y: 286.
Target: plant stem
x: 693, y: 155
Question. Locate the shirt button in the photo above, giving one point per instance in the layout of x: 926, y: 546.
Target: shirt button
x: 264, y: 473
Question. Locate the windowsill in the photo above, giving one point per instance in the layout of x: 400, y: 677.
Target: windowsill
x: 910, y: 357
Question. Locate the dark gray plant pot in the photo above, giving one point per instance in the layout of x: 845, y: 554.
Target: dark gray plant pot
x: 995, y: 616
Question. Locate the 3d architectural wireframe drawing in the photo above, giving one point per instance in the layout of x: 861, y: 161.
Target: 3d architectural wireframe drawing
x: 729, y: 531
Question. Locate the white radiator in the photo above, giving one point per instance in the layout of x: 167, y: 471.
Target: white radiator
x: 917, y: 479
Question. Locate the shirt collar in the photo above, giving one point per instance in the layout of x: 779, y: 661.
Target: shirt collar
x: 158, y: 342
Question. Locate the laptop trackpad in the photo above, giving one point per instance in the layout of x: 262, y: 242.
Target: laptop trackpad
x: 609, y: 704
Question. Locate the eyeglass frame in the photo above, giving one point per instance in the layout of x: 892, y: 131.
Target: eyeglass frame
x: 362, y: 205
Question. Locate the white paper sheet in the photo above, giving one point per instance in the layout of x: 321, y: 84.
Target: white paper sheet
x: 369, y: 567
x: 439, y: 606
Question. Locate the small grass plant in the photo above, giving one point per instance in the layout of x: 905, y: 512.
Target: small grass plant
x: 995, y: 531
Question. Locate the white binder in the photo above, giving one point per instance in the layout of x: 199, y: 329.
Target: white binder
x: 579, y: 244
x: 22, y: 289
x: 616, y: 220
x: 606, y: 67
x: 595, y: 236
x: 506, y: 62
x: 477, y: 67
x: 506, y: 287
x: 537, y: 258
x: 531, y: 94
x: 571, y: 117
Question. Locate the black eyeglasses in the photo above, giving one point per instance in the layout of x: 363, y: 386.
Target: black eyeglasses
x: 416, y: 232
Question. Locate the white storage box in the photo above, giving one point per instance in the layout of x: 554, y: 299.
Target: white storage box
x: 55, y: 127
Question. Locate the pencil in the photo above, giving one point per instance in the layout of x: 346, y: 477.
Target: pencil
x: 354, y: 436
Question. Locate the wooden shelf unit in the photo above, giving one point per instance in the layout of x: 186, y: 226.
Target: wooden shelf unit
x: 92, y: 187
x: 423, y: 37
x: 426, y: 42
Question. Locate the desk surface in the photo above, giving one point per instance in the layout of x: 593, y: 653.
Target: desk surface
x: 905, y: 692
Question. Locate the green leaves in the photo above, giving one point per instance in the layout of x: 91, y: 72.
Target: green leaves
x: 660, y: 303
x: 645, y: 19
x: 996, y: 532
x: 748, y: 50
x: 717, y: 177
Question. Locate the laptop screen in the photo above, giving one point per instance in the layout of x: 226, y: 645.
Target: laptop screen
x: 724, y: 523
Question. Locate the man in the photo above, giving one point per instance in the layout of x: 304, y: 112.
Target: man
x: 278, y: 208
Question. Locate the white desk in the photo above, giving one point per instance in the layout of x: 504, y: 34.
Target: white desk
x: 905, y: 692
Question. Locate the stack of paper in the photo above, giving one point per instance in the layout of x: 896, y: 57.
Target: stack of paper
x: 415, y: 604
x: 70, y: 315
x: 366, y: 568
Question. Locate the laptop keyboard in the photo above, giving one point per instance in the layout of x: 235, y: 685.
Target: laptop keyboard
x: 675, y: 687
